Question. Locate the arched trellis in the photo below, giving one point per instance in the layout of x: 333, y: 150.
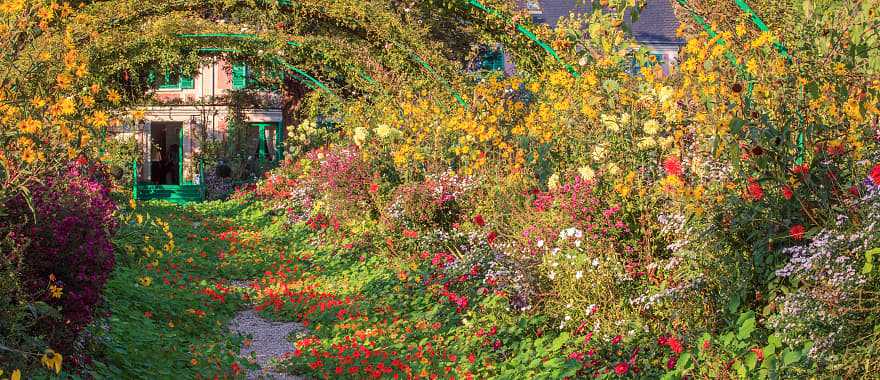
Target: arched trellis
x: 415, y: 57
x: 780, y: 48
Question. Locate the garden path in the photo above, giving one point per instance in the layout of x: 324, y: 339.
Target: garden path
x: 268, y: 341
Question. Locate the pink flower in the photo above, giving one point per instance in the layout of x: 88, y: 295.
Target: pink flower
x: 671, y: 363
x: 621, y: 368
x: 616, y: 339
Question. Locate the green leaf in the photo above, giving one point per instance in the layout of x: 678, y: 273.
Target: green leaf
x: 684, y: 362
x: 746, y: 329
x: 789, y: 357
x: 751, y: 360
x: 559, y: 341
x: 869, y: 260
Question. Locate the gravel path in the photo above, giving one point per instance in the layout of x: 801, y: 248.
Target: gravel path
x: 268, y: 340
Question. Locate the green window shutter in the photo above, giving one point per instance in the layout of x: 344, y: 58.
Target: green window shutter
x: 187, y: 83
x: 239, y: 76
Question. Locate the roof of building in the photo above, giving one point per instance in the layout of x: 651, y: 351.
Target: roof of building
x: 656, y: 23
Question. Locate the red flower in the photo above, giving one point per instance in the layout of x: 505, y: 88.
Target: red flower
x: 755, y: 190
x: 875, y: 175
x: 491, y: 237
x: 374, y: 187
x: 472, y: 358
x: 802, y: 169
x: 616, y: 339
x: 672, y: 166
x: 478, y: 220
x: 148, y: 314
x: 797, y: 232
x: 854, y: 191
x: 674, y: 345
x: 759, y: 353
x: 787, y: 192
x: 621, y: 368
x: 410, y: 234
x: 706, y: 344
x: 236, y: 368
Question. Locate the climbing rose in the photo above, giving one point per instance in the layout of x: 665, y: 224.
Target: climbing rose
x: 797, y: 232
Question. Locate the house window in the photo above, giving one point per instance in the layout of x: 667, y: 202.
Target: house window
x: 658, y: 60
x: 492, y: 60
x: 245, y: 77
x: 534, y: 7
x: 173, y: 81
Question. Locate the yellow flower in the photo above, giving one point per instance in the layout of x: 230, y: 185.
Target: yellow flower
x: 613, y: 169
x: 52, y: 360
x: 145, y: 281
x: 647, y: 142
x: 63, y: 80
x: 651, y: 127
x: 113, y: 96
x: 55, y: 291
x: 38, y: 102
x: 100, y: 119
x: 16, y: 375
x: 740, y: 29
x: 88, y: 101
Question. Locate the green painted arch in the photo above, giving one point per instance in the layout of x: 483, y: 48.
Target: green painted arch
x: 415, y: 57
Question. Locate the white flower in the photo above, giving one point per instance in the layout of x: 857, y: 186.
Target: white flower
x: 577, y: 243
x: 552, y: 275
x: 578, y: 275
x: 586, y: 173
x: 360, y: 135
x: 540, y: 243
x: 610, y: 122
x: 596, y: 262
x: 553, y: 182
x: 599, y: 153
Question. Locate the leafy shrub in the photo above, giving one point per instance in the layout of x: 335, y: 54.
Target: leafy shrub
x: 62, y: 254
x: 435, y: 202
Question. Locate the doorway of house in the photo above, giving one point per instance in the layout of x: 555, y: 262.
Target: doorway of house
x: 165, y: 153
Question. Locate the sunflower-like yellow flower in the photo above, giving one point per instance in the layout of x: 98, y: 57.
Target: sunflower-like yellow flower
x: 52, y: 360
